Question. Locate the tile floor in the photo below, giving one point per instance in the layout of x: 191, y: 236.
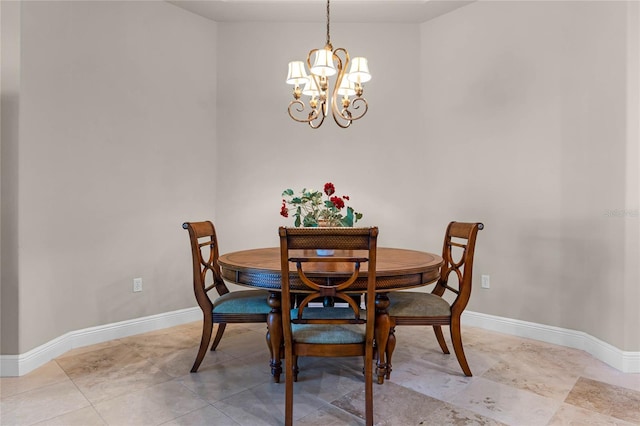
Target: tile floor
x: 145, y: 380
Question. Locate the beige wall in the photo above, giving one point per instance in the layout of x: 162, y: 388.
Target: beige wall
x: 117, y: 148
x: 9, y: 121
x: 512, y: 113
x: 530, y: 101
x: 266, y: 152
x: 632, y: 227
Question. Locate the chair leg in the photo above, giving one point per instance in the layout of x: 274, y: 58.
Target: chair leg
x: 443, y: 345
x: 207, y: 328
x: 288, y: 390
x: 456, y: 339
x: 219, y: 333
x: 296, y: 370
x: 368, y: 391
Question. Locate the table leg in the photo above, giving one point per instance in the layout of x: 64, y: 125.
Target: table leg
x: 391, y: 346
x: 383, y: 326
x: 274, y: 335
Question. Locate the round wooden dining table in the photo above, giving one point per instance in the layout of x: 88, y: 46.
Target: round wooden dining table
x: 396, y: 269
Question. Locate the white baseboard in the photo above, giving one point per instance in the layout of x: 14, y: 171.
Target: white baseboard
x: 18, y: 365
x: 627, y: 362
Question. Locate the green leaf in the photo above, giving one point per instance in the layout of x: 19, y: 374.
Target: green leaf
x: 348, y: 220
x: 297, y: 215
x: 310, y: 221
x: 288, y: 192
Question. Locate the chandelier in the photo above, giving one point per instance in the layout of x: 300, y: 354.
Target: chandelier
x: 347, y: 86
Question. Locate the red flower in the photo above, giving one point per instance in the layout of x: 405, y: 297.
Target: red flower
x: 284, y: 212
x: 338, y: 202
x: 346, y: 197
x: 329, y: 189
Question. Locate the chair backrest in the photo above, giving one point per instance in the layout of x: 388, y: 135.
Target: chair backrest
x: 457, y: 251
x: 355, y: 247
x: 204, y: 254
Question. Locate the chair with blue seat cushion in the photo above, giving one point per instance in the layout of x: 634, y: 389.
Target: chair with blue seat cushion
x: 247, y: 306
x: 328, y: 331
x: 432, y: 309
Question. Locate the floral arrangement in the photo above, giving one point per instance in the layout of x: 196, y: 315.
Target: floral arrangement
x: 311, y: 210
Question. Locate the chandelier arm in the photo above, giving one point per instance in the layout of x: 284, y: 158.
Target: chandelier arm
x: 311, y: 52
x: 316, y: 78
x: 315, y: 126
x: 337, y: 113
x: 300, y: 108
x: 356, y: 106
x: 343, y: 125
x: 346, y: 57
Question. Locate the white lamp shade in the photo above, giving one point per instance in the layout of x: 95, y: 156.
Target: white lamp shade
x: 323, y: 65
x: 347, y: 88
x: 359, y: 72
x: 297, y: 74
x: 311, y: 88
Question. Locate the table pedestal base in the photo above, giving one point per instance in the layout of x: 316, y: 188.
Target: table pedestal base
x: 274, y: 335
x: 383, y: 328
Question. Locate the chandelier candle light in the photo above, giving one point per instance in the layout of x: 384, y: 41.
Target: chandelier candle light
x: 329, y: 62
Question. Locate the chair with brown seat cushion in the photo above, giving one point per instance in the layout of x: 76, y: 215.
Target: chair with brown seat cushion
x: 328, y: 331
x: 247, y: 306
x: 432, y: 309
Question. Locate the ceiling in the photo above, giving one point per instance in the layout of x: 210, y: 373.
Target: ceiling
x: 315, y: 10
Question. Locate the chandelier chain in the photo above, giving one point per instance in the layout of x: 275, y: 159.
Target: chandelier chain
x: 328, y: 33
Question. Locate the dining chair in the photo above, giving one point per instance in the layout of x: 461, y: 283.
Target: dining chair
x: 433, y: 309
x: 328, y: 331
x: 246, y: 306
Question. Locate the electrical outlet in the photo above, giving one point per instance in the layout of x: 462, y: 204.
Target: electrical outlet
x: 137, y: 284
x: 486, y: 283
